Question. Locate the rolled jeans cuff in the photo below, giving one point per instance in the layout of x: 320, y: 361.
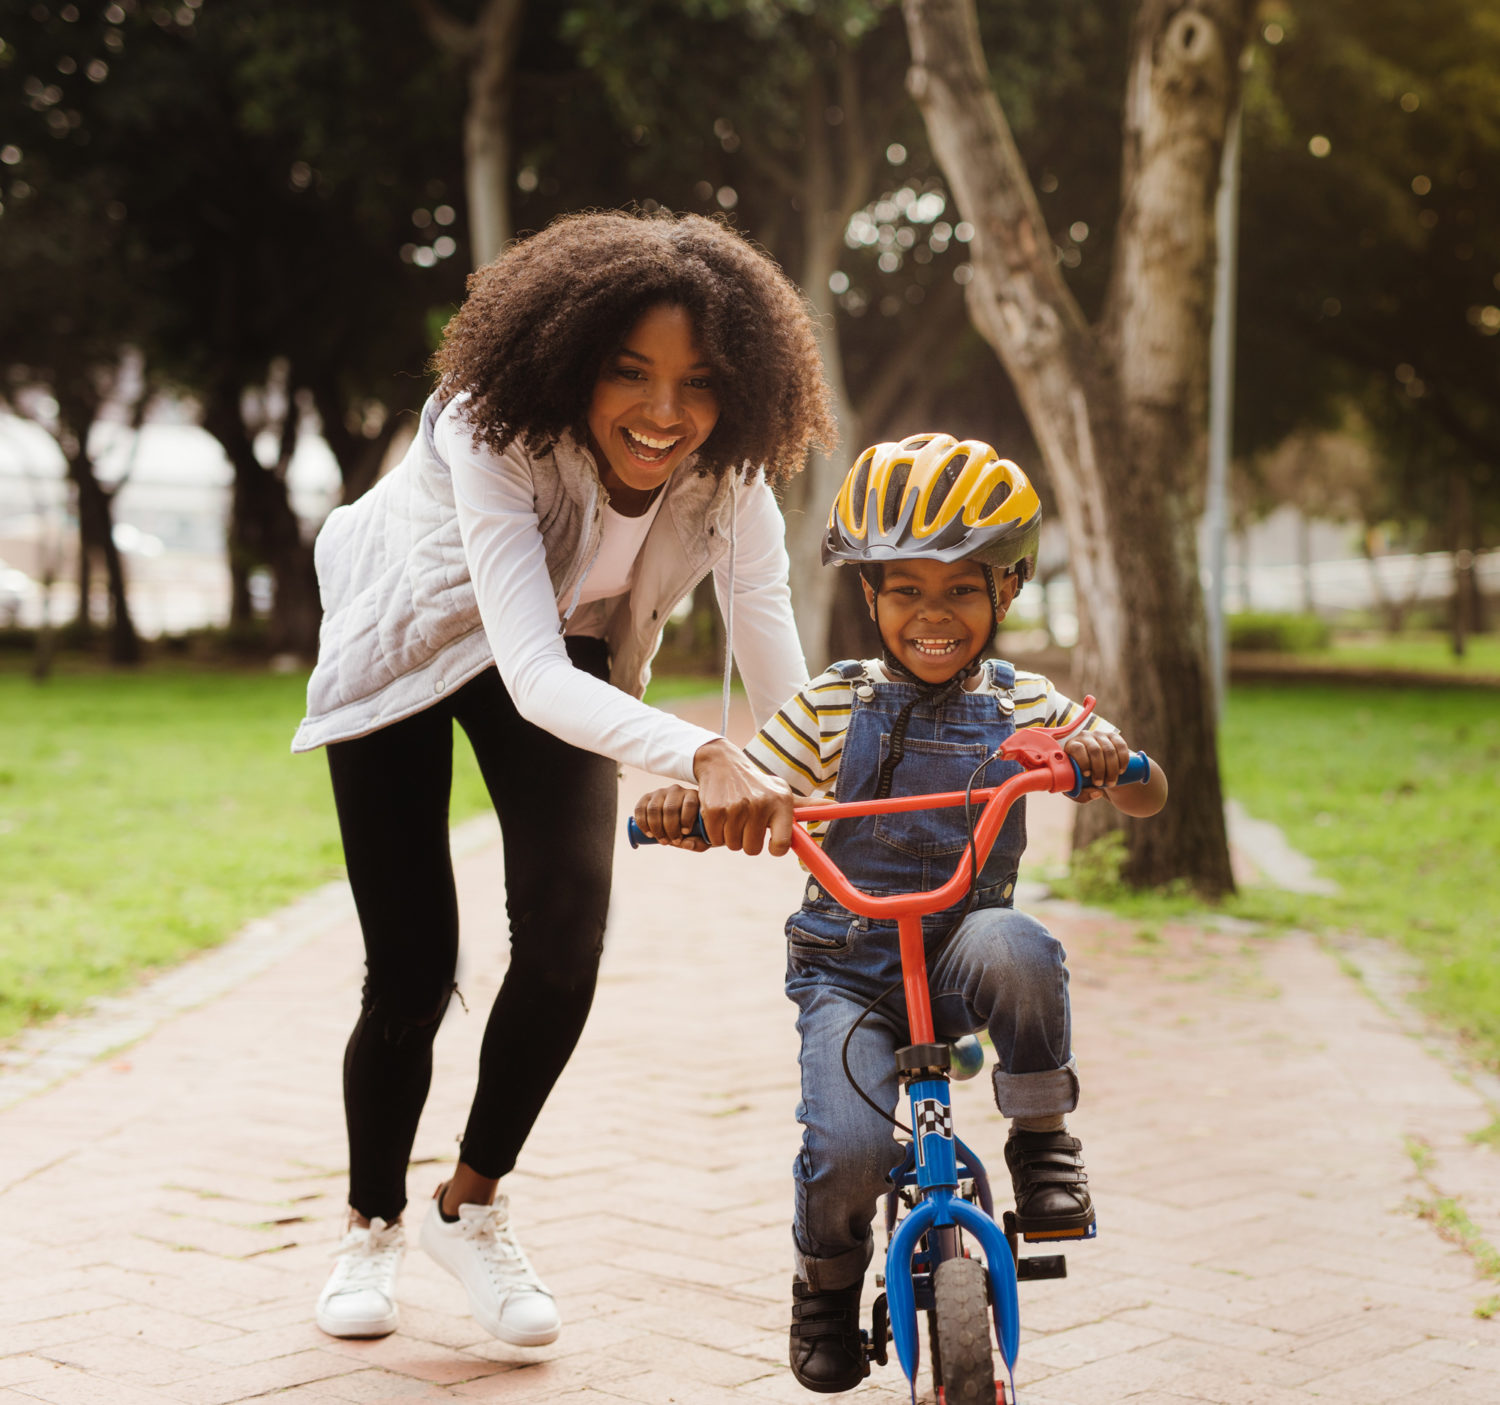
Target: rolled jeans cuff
x: 841, y: 1271
x: 1044, y: 1094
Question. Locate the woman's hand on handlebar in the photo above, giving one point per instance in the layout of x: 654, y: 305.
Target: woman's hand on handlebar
x: 668, y: 816
x: 742, y: 807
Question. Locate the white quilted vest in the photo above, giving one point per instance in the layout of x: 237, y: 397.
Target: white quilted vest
x: 401, y: 624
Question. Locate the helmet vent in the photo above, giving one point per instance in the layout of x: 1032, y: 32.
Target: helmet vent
x: 998, y: 495
x: 860, y: 486
x: 948, y: 479
x: 895, y: 490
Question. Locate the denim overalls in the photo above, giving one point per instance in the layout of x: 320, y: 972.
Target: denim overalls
x: 1003, y: 970
x: 920, y: 849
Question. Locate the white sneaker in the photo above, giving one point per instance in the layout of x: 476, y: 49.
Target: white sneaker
x: 479, y: 1249
x: 359, y: 1299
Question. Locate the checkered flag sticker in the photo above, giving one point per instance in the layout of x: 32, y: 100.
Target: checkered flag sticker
x: 932, y: 1116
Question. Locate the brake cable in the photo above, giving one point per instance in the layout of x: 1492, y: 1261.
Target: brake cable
x: 930, y: 952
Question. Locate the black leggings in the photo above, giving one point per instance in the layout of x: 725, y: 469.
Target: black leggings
x: 557, y: 808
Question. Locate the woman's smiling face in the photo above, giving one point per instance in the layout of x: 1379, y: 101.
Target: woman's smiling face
x: 653, y: 404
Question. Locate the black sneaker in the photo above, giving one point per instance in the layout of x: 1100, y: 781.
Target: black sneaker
x: 825, y: 1349
x: 1052, y: 1188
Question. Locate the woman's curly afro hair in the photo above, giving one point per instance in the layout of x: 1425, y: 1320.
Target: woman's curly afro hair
x: 539, y: 322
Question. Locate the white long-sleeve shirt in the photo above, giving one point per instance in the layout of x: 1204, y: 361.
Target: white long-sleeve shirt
x: 462, y: 558
x: 522, y: 616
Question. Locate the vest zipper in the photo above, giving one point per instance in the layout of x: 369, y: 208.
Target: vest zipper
x: 593, y: 515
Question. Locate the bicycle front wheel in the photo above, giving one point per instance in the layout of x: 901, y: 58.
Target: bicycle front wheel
x: 962, y: 1329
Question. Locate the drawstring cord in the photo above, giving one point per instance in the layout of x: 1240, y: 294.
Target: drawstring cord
x: 734, y: 504
x: 935, y: 695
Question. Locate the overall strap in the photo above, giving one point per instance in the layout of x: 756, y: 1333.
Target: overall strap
x: 1002, y: 673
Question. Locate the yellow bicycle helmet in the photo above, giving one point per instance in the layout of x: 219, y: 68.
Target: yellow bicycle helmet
x: 934, y: 496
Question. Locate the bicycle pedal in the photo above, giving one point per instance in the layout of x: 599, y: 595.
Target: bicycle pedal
x: 1041, y: 1266
x: 1051, y: 1236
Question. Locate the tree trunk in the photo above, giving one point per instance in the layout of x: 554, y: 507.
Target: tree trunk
x: 1119, y: 413
x: 1465, y: 591
x: 827, y: 197
x: 241, y: 564
x: 78, y: 408
x: 83, y: 613
x: 814, y: 588
x: 265, y: 530
x: 487, y: 127
x: 96, y: 533
x: 359, y: 456
x: 488, y: 48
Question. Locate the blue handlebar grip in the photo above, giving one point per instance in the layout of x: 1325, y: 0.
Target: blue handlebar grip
x: 638, y: 836
x: 1137, y: 771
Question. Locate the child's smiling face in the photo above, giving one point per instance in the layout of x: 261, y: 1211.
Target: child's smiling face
x: 935, y: 616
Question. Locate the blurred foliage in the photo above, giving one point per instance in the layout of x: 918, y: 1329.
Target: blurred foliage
x: 1280, y: 634
x: 255, y: 192
x: 244, y: 175
x: 1370, y: 244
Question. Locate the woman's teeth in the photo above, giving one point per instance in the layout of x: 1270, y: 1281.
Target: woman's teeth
x: 645, y: 447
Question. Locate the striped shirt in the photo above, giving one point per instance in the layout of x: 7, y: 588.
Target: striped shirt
x: 803, y: 742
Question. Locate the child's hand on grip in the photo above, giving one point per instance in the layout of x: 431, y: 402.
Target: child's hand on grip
x: 1101, y: 756
x: 668, y: 816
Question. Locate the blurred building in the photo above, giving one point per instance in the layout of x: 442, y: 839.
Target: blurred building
x: 170, y: 517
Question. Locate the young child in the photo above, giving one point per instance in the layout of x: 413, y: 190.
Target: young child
x: 944, y: 533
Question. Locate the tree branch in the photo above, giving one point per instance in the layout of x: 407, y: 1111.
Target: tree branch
x: 452, y: 36
x: 914, y: 357
x: 1038, y: 316
x: 854, y: 140
x: 777, y: 172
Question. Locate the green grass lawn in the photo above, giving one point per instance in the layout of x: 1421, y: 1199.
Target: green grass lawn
x: 1392, y: 792
x: 143, y: 816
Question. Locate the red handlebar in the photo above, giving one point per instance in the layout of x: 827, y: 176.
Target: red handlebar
x: 1048, y: 768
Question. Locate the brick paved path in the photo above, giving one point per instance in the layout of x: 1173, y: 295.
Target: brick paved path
x: 166, y: 1216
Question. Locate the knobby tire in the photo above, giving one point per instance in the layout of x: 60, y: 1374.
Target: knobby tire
x: 962, y: 1338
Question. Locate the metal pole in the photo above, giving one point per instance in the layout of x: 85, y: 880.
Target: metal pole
x: 1221, y: 403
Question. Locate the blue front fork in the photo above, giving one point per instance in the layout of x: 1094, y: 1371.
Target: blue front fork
x: 939, y: 1208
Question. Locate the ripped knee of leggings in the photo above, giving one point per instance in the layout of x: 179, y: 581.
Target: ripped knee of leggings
x: 406, y: 1022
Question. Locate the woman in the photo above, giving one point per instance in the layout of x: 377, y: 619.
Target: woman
x: 615, y: 398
